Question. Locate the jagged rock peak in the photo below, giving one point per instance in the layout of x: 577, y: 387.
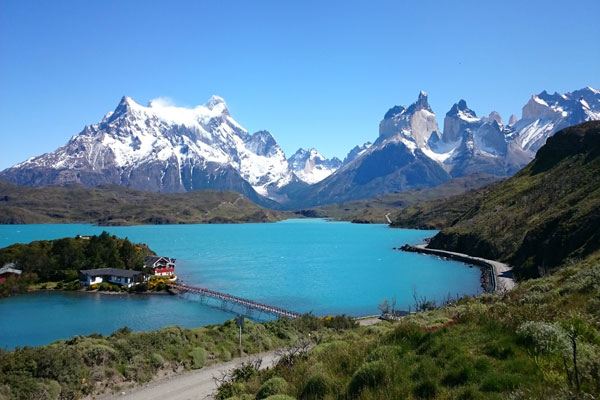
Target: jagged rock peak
x: 396, y: 110
x: 124, y: 106
x: 420, y: 104
x: 494, y: 116
x: 461, y: 109
x: 512, y: 120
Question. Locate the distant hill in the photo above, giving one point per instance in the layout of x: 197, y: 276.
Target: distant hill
x: 545, y: 214
x: 117, y: 205
x: 375, y: 209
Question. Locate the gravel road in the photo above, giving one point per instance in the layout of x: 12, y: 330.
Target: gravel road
x: 192, y: 385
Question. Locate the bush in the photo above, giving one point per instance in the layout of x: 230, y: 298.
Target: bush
x: 545, y: 338
x: 156, y: 360
x: 340, y: 322
x: 458, y: 376
x: 315, y: 389
x: 99, y: 354
x: 426, y: 390
x: 229, y: 390
x: 280, y: 397
x: 369, y: 375
x: 275, y: 385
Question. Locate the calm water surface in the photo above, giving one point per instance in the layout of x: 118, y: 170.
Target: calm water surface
x: 303, y: 265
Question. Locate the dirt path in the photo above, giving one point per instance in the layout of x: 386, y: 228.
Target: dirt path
x: 368, y: 321
x: 192, y: 385
x: 387, y: 216
x: 502, y: 272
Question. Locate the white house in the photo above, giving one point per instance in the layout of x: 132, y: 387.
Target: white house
x: 163, y: 266
x: 121, y: 277
x: 7, y: 270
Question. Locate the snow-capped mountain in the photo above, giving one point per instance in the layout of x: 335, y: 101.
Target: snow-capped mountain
x: 311, y: 167
x: 395, y: 161
x: 411, y: 152
x: 414, y: 126
x: 471, y: 144
x: 162, y: 147
x: 544, y: 114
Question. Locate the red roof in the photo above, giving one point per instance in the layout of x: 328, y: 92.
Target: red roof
x: 160, y: 270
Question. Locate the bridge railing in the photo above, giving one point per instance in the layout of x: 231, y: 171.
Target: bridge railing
x: 227, y: 297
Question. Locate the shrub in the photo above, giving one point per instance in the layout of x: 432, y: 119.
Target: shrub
x: 315, y: 389
x: 198, y: 355
x: 273, y: 386
x: 280, y: 397
x: 156, y: 360
x: 230, y: 390
x: 458, y: 376
x: 426, y: 390
x: 545, y: 338
x: 369, y: 375
x: 499, y: 351
x: 340, y: 322
x: 99, y: 354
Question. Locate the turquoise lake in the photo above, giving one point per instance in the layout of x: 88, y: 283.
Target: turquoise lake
x: 305, y: 265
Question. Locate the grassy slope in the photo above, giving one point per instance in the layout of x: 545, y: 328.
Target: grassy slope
x: 374, y: 210
x: 497, y: 346
x: 548, y: 212
x: 91, y: 365
x: 116, y: 205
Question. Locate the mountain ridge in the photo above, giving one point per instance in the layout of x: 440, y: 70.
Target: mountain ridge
x: 165, y: 148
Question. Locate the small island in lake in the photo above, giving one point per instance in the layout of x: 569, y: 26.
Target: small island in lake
x: 103, y: 262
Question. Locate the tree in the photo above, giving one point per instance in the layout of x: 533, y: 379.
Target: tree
x: 574, y: 327
x: 384, y: 307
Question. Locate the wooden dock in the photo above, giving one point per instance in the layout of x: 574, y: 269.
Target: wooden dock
x: 249, y: 304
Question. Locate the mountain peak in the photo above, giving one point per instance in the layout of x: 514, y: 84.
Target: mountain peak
x: 124, y: 106
x: 215, y: 101
x: 422, y: 103
x: 311, y: 167
x: 494, y: 116
x: 461, y: 110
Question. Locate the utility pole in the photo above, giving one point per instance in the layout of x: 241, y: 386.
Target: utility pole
x: 240, y: 323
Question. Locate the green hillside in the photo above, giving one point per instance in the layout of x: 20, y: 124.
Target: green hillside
x: 545, y: 214
x: 117, y: 205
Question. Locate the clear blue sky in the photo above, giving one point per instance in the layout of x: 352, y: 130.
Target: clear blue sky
x: 314, y: 73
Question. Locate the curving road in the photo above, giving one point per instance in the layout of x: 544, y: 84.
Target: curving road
x: 502, y: 272
x: 192, y: 385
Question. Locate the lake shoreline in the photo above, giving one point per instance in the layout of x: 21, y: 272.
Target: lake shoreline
x: 107, y: 292
x: 495, y: 275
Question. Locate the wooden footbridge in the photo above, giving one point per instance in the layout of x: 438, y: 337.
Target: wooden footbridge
x: 249, y: 304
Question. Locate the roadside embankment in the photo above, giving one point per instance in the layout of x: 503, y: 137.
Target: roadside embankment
x: 496, y: 276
